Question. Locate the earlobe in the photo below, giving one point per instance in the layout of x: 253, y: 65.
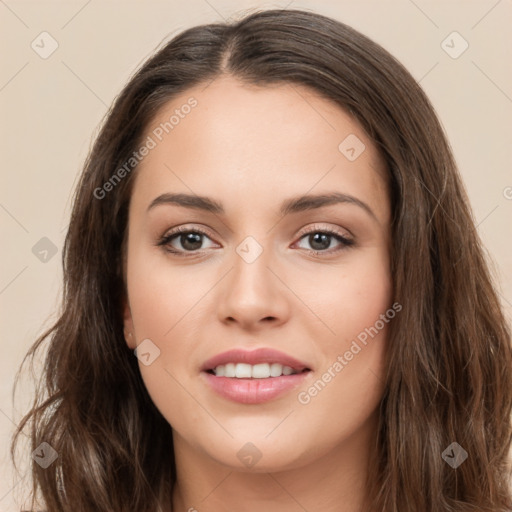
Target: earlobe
x: 129, y: 335
x: 130, y: 340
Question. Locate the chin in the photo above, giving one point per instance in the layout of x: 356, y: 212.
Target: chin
x: 257, y: 455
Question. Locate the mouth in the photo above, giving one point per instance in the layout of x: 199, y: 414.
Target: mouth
x: 254, y: 377
x: 256, y: 371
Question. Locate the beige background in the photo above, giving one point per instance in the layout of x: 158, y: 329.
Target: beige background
x: 51, y: 107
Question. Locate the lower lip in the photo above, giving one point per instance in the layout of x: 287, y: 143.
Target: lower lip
x: 254, y: 391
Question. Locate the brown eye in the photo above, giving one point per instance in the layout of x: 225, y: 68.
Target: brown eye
x: 322, y: 240
x: 190, y: 241
x: 183, y: 240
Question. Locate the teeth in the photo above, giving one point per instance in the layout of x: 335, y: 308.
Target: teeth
x: 229, y: 370
x: 243, y: 371
x: 260, y: 371
x: 287, y: 370
x: 257, y: 371
x: 276, y: 369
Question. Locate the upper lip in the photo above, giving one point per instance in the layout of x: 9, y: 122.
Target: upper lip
x: 252, y: 357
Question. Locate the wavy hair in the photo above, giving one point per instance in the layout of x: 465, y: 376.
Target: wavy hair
x: 449, y: 363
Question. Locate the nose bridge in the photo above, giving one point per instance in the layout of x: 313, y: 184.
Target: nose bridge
x: 252, y: 292
x: 251, y: 275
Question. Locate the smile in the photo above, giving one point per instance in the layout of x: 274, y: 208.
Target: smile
x: 256, y: 371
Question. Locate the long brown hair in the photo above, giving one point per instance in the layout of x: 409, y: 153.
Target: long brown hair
x: 449, y: 376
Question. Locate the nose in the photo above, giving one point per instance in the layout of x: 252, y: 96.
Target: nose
x: 253, y: 295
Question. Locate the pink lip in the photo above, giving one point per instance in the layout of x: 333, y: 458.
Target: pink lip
x: 260, y: 355
x: 253, y: 391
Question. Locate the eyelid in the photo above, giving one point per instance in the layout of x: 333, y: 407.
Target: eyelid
x: 187, y: 229
x: 304, y: 231
x: 323, y: 228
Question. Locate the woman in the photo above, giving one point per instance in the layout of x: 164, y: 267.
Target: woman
x: 272, y: 222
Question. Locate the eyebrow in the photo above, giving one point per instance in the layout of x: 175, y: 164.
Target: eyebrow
x: 289, y: 206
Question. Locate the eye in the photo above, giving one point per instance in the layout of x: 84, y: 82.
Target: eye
x: 184, y: 241
x: 321, y: 240
x: 189, y: 239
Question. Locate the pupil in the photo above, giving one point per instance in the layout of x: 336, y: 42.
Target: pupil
x: 191, y: 241
x: 319, y: 238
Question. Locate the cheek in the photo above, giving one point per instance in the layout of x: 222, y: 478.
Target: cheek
x: 348, y: 387
x: 164, y: 307
x: 353, y: 354
x: 161, y: 296
x: 349, y: 298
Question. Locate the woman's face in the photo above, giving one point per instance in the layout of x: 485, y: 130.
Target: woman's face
x: 280, y: 280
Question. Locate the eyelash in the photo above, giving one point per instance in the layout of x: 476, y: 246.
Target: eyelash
x: 165, y: 240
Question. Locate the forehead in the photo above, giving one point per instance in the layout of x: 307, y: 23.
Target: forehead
x: 251, y: 145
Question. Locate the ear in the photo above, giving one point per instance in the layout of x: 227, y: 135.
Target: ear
x: 129, y: 332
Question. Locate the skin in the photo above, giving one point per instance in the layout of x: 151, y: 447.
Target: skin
x: 250, y: 148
